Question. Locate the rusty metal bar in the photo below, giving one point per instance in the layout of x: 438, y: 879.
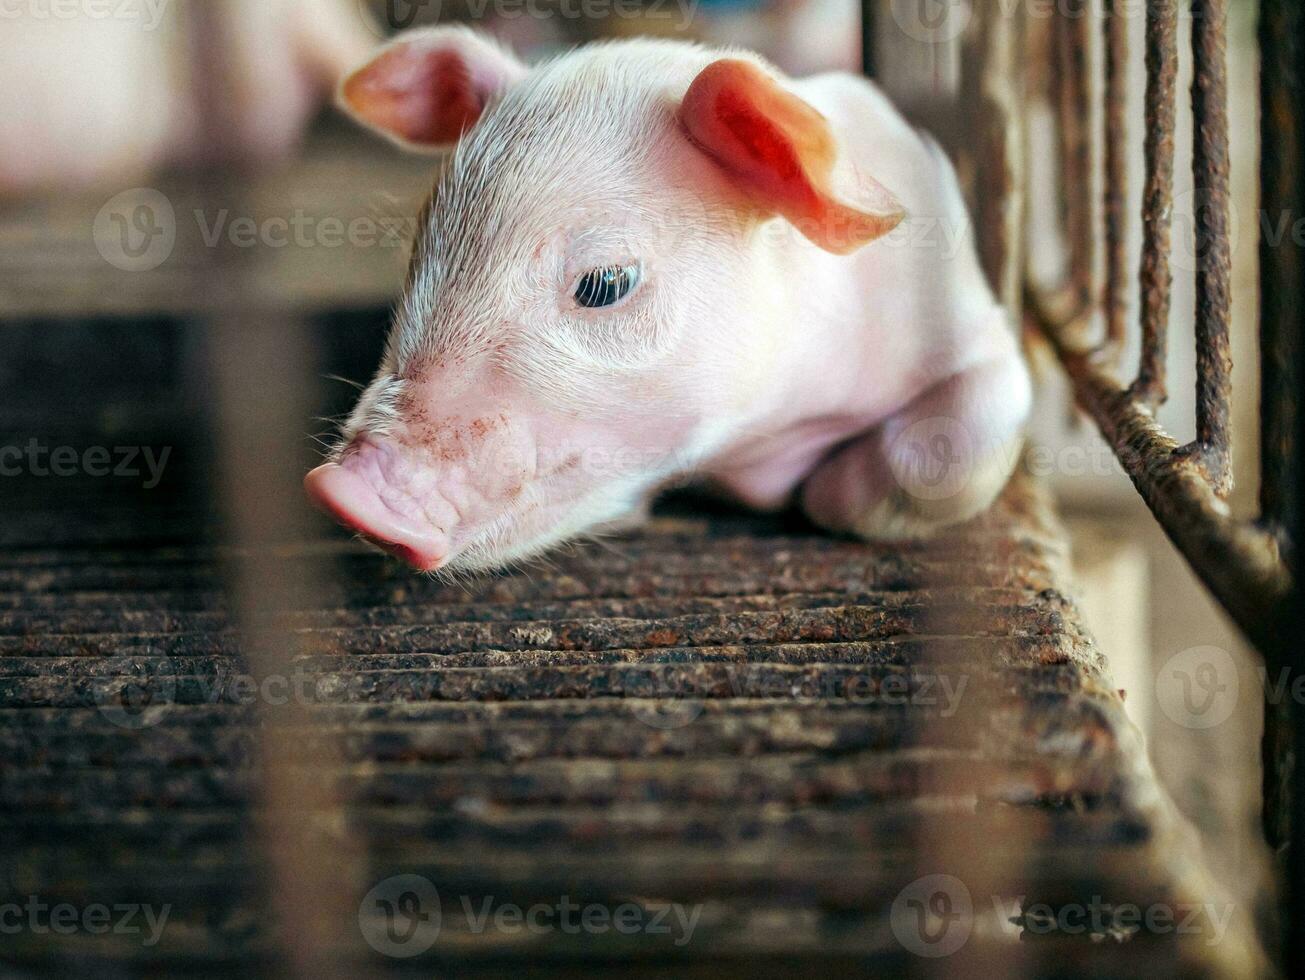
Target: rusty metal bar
x: 1237, y: 561
x: 1158, y: 196
x: 1210, y: 170
x: 1185, y: 486
x: 1282, y: 260
x: 1295, y: 627
x: 260, y: 367
x: 1282, y: 273
x: 868, y: 34
x: 1282, y: 428
x: 1114, y: 296
x: 315, y: 871
x: 990, y: 146
x: 1071, y: 54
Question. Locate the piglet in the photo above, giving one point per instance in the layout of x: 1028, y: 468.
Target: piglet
x: 644, y: 260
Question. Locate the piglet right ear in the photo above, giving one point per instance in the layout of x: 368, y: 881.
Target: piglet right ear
x: 781, y: 153
x: 427, y: 87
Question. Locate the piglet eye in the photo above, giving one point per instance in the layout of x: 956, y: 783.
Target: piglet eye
x: 608, y: 285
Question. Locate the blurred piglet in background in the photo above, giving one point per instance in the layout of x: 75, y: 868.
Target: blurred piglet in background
x: 646, y: 259
x: 151, y: 83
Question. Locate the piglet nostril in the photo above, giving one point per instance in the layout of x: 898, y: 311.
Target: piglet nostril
x: 342, y: 491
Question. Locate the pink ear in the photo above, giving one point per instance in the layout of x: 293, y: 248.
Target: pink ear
x: 426, y: 88
x: 783, y: 156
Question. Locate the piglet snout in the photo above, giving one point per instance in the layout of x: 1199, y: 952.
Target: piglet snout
x: 356, y: 492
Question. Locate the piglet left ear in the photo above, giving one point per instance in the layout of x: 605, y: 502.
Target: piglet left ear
x: 782, y: 154
x: 428, y: 87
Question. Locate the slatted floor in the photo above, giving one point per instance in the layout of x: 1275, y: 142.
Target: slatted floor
x: 776, y: 728
x: 784, y: 736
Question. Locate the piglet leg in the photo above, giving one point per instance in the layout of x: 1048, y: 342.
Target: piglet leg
x: 941, y: 460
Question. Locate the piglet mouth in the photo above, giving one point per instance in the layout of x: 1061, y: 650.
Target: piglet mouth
x: 354, y: 491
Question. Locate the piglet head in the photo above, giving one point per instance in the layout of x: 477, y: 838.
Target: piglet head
x: 592, y: 306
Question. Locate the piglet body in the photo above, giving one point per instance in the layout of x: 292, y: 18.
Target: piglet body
x: 648, y: 259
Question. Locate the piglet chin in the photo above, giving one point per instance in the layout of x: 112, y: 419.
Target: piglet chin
x: 354, y: 502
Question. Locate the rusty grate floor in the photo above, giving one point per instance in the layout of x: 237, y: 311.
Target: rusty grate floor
x: 772, y: 730
x: 787, y: 737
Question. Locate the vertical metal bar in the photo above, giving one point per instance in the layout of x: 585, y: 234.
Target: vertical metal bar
x: 1293, y: 648
x: 1210, y: 170
x: 1157, y: 196
x: 868, y: 33
x: 1294, y: 628
x: 990, y: 144
x: 1115, y: 298
x: 1282, y: 269
x: 980, y: 123
x: 1294, y: 920
x: 1072, y: 45
x: 261, y: 373
x: 993, y: 56
x: 314, y: 871
x: 1282, y: 358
